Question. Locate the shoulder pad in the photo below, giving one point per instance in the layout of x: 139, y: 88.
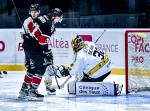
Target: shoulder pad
x: 28, y: 19
x: 42, y: 19
x: 45, y: 17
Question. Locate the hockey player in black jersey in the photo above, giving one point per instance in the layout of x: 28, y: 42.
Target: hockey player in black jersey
x: 36, y: 32
x: 47, y: 26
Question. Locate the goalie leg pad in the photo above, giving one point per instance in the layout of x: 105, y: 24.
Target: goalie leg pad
x: 72, y: 87
x: 93, y: 88
x: 49, y: 85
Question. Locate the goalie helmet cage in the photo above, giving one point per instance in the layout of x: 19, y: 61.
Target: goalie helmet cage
x: 137, y: 61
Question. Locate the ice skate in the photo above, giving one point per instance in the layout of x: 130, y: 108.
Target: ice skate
x: 49, y: 87
x: 50, y: 91
x: 23, y: 95
x: 35, y: 96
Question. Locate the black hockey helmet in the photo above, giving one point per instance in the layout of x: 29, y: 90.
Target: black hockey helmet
x: 56, y: 12
x: 34, y: 7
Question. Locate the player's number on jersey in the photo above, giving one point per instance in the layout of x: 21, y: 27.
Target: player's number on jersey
x: 99, y: 54
x: 94, y: 52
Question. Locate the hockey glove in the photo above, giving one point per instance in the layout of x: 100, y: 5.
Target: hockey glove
x: 63, y: 72
x: 69, y: 66
x: 27, y: 42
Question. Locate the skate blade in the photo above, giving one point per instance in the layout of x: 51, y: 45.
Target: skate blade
x: 50, y: 93
x: 35, y: 99
x: 23, y: 98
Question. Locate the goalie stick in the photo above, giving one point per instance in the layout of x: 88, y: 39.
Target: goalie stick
x: 100, y: 36
x: 61, y: 85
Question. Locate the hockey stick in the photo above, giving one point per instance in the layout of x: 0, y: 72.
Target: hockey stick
x: 19, y: 16
x: 55, y: 75
x: 57, y: 82
x: 61, y: 85
x: 100, y: 36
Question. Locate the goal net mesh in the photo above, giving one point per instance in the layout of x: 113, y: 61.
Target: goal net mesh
x: 138, y: 60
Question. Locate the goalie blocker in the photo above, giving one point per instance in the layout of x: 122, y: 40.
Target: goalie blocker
x: 94, y: 88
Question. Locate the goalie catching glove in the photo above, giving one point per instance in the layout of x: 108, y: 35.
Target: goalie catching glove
x: 62, y: 71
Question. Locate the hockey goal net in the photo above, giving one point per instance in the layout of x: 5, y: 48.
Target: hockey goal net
x: 137, y: 61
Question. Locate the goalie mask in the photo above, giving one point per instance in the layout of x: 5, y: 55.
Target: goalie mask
x: 77, y: 43
x: 34, y: 7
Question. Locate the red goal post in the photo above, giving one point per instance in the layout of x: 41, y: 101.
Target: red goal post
x: 137, y: 60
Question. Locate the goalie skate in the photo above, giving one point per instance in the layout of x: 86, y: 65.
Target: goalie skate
x: 51, y: 91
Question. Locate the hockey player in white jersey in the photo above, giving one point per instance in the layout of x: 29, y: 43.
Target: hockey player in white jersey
x: 90, y: 66
x: 94, y: 64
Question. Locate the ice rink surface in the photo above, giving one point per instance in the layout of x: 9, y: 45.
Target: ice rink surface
x: 11, y: 83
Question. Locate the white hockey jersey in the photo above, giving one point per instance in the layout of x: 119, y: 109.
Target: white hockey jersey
x: 91, y: 61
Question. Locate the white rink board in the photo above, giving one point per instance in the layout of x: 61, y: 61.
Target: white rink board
x: 10, y: 45
x: 112, y: 42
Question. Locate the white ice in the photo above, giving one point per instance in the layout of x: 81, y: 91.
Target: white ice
x: 11, y: 83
